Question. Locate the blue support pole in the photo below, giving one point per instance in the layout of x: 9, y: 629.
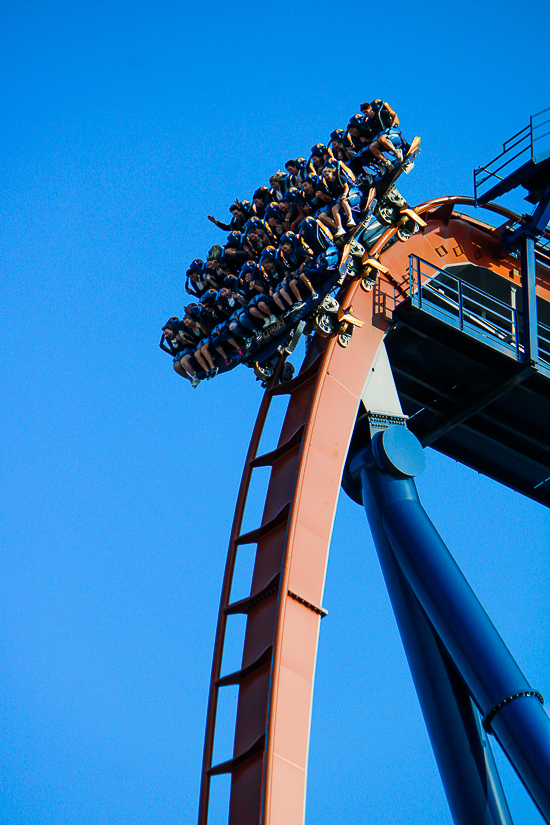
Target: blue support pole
x: 511, y: 709
x: 463, y: 753
x: 529, y: 300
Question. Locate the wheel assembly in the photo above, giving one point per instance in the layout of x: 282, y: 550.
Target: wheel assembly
x: 330, y: 304
x: 287, y: 373
x: 386, y: 215
x: 407, y: 230
x: 368, y: 282
x: 344, y: 338
x: 263, y: 371
x: 323, y: 323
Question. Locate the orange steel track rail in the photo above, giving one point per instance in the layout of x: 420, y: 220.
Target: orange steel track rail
x: 269, y: 764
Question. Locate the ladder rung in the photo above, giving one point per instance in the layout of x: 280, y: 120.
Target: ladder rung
x: 244, y: 605
x: 231, y: 764
x: 255, y: 535
x: 237, y: 677
x: 270, y: 458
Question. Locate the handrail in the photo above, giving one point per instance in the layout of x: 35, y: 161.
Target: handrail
x: 500, y: 325
x: 527, y: 138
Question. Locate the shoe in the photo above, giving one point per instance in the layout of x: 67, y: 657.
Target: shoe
x: 258, y: 335
x: 299, y: 305
x: 340, y: 232
x: 272, y: 319
x: 399, y: 155
x: 314, y: 295
x: 351, y: 224
x: 267, y: 322
x: 195, y: 382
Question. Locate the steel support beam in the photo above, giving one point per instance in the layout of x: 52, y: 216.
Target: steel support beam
x: 462, y: 751
x: 511, y: 709
x: 535, y: 226
x: 529, y: 300
x: 478, y: 404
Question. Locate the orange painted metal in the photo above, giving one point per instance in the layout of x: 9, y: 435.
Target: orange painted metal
x: 331, y: 415
x: 226, y: 592
x: 269, y: 763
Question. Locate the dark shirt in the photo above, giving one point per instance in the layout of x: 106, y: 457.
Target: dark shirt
x: 235, y: 224
x: 226, y: 306
x: 380, y: 120
x: 190, y: 336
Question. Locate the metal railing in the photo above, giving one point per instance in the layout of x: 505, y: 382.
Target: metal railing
x: 544, y: 343
x: 467, y: 308
x: 525, y: 144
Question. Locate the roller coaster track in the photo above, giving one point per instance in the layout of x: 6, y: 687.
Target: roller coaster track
x: 284, y: 609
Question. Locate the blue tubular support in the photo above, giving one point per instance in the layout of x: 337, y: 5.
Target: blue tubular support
x: 529, y: 300
x: 463, y: 754
x: 511, y: 709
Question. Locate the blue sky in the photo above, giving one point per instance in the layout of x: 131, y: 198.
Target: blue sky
x: 123, y: 126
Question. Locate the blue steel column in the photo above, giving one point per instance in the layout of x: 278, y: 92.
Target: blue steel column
x: 529, y: 300
x: 463, y: 754
x: 509, y: 705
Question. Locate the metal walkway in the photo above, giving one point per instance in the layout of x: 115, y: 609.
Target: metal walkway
x: 524, y: 161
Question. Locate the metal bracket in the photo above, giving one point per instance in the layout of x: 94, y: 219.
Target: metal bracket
x: 410, y: 213
x: 381, y: 421
x: 319, y: 610
x: 345, y: 315
x: 291, y: 346
x: 376, y: 265
x: 532, y: 228
x: 488, y: 718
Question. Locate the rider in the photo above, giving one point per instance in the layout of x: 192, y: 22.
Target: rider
x: 293, y: 257
x: 319, y: 156
x: 182, y: 337
x: 288, y: 210
x: 195, y: 283
x: 383, y: 122
x: 339, y: 181
x: 337, y: 145
x: 274, y: 222
x: 296, y: 172
x: 277, y: 184
x: 259, y: 202
x: 240, y: 211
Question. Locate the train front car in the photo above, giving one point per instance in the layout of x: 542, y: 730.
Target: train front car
x: 336, y: 260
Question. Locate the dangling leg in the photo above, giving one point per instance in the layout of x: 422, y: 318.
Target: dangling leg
x: 178, y: 367
x: 350, y: 223
x: 387, y: 146
x: 295, y: 291
x: 205, y: 352
x: 307, y: 282
x: 324, y: 218
x: 338, y: 220
x: 278, y: 301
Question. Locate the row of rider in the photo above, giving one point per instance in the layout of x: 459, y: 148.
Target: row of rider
x: 225, y: 320
x: 279, y: 248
